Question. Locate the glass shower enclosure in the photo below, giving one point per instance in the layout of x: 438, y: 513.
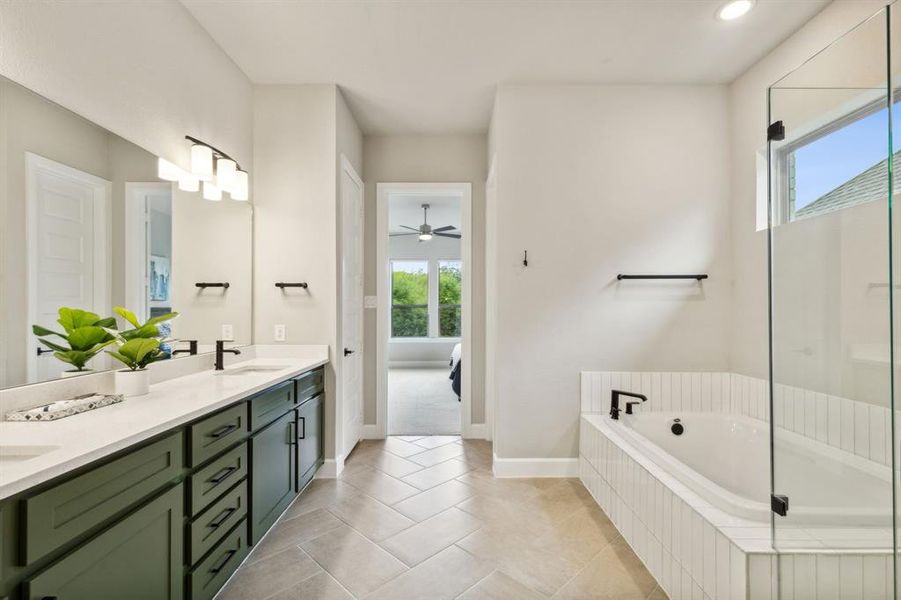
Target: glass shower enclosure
x: 833, y: 141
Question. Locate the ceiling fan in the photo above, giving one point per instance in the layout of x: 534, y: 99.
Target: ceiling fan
x: 425, y: 231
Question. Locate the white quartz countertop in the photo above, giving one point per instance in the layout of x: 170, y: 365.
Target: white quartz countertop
x: 80, y: 439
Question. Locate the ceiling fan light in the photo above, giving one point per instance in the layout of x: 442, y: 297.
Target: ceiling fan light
x: 424, y: 237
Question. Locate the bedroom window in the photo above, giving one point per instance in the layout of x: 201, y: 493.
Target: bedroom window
x: 409, y: 298
x: 450, y: 280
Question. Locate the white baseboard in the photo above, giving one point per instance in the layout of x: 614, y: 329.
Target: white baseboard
x: 331, y: 468
x: 371, y: 432
x: 420, y: 364
x: 536, y: 467
x: 478, y: 431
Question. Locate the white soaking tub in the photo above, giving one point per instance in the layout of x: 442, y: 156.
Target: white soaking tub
x: 724, y: 458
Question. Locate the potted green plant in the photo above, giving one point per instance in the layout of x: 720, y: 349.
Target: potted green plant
x: 136, y: 349
x: 86, y: 334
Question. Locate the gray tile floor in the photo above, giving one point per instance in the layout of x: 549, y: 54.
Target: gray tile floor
x: 421, y: 402
x: 422, y: 517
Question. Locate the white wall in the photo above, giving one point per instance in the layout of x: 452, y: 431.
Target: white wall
x: 299, y: 134
x: 427, y: 159
x: 595, y: 181
x: 747, y: 95
x: 146, y: 71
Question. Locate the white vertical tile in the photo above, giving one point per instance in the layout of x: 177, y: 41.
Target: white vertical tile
x: 786, y: 576
x: 666, y: 521
x: 798, y: 404
x: 745, y: 396
x: 722, y: 566
x: 822, y: 417
x: 697, y: 546
x: 708, y: 583
x: 706, y: 387
x: 675, y: 574
x: 738, y: 576
x: 850, y: 576
x: 726, y: 392
x: 876, y: 572
x: 676, y: 381
x: 654, y: 396
x: 687, y: 585
x: 685, y: 541
x: 861, y: 430
x: 645, y: 385
x: 877, y: 434
x: 696, y: 392
x: 810, y: 414
x: 834, y: 434
x: 778, y: 407
x: 687, y: 400
x: 847, y: 425
x: 760, y: 580
x: 827, y: 577
x: 666, y: 391
x: 805, y: 576
x: 696, y: 592
x: 788, y: 401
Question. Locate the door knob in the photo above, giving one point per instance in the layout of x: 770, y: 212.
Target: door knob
x: 348, y: 352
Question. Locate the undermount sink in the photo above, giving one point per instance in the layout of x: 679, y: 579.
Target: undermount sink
x: 252, y: 369
x: 14, y: 454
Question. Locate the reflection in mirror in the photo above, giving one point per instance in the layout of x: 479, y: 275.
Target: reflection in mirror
x: 87, y: 224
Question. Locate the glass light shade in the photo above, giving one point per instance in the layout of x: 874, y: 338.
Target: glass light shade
x: 225, y: 173
x: 202, y: 162
x: 425, y: 237
x: 188, y: 183
x: 241, y: 188
x: 167, y: 171
x: 211, y: 191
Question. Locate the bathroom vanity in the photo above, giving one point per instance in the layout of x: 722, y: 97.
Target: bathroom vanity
x: 160, y: 497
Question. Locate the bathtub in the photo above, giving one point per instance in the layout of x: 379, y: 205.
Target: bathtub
x: 724, y: 459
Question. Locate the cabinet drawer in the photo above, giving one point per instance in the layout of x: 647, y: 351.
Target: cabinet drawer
x: 216, y: 433
x: 271, y: 404
x: 310, y: 384
x: 69, y: 509
x: 208, y: 483
x: 139, y: 558
x: 215, y: 569
x: 216, y: 521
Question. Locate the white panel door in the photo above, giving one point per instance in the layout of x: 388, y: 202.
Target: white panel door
x: 352, y: 303
x: 67, y: 248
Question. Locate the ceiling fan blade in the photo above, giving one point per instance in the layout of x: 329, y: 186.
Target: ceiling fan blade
x: 416, y: 229
x: 450, y: 235
x: 397, y: 234
x: 445, y: 228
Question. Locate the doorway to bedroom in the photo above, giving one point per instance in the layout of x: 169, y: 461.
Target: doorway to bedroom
x: 424, y: 271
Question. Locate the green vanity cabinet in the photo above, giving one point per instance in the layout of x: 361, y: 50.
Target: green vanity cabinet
x: 272, y: 467
x: 140, y: 557
x: 310, y: 450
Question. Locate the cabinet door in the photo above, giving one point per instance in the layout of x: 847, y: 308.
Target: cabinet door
x: 309, y: 439
x: 271, y: 473
x: 140, y: 557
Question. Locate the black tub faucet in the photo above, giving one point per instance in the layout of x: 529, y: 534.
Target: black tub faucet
x: 614, y: 402
x: 220, y: 352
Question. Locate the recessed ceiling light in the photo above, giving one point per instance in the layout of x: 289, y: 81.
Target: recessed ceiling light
x: 735, y: 9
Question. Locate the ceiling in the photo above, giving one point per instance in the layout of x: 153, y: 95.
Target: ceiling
x: 431, y: 67
x: 407, y: 210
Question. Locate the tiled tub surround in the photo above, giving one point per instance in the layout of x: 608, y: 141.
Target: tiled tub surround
x: 696, y: 550
x: 80, y: 439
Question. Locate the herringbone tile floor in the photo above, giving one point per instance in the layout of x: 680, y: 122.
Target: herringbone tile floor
x: 422, y: 518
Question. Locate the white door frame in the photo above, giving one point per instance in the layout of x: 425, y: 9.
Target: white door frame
x: 490, y: 297
x: 383, y: 190
x: 136, y: 243
x: 34, y: 164
x: 341, y: 449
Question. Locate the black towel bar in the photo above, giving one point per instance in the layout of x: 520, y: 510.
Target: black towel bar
x: 283, y: 285
x: 697, y: 276
x: 202, y: 285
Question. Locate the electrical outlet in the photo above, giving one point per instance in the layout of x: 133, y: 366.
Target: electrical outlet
x: 228, y: 333
x: 279, y: 334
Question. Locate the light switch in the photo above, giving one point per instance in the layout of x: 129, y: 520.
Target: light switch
x: 370, y: 301
x: 279, y: 334
x: 228, y: 333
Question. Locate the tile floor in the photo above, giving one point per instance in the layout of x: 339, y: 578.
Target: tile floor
x: 422, y: 518
x: 421, y: 402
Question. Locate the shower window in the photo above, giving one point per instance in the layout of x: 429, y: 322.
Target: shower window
x: 835, y: 166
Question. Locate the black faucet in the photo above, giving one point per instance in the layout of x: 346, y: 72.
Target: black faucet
x: 220, y: 352
x: 191, y: 349
x: 614, y: 402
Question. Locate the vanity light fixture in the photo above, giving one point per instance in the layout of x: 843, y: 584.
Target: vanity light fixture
x: 202, y: 161
x: 226, y: 169
x: 241, y: 188
x: 188, y: 183
x: 211, y: 191
x: 734, y: 9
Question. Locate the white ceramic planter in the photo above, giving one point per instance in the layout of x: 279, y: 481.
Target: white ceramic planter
x: 132, y: 383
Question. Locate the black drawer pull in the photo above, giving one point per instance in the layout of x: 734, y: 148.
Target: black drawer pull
x: 222, y: 518
x: 303, y: 428
x: 223, y: 561
x: 222, y: 475
x: 224, y: 431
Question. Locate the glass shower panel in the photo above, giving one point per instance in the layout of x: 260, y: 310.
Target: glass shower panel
x: 830, y: 291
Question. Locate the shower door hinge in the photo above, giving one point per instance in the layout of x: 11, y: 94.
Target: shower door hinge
x: 775, y: 132
x: 779, y: 504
